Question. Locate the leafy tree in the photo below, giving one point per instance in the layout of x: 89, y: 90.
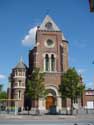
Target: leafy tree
x: 1, y: 87
x: 71, y: 86
x: 35, y: 86
x: 3, y: 95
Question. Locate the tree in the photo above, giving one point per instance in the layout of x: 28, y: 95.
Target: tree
x: 71, y: 86
x: 1, y: 87
x: 3, y: 96
x: 35, y: 86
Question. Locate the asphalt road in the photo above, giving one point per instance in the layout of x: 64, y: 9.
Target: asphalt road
x: 7, y: 119
x: 42, y: 122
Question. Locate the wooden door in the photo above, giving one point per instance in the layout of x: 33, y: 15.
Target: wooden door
x: 50, y: 102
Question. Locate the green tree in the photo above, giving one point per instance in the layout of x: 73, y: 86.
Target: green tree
x: 3, y: 96
x: 35, y: 86
x: 1, y: 87
x: 71, y: 86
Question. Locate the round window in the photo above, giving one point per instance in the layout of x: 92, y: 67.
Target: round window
x: 49, y: 43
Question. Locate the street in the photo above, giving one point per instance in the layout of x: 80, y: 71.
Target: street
x: 47, y: 120
x: 30, y: 122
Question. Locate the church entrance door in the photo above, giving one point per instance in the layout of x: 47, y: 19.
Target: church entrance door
x: 50, y: 102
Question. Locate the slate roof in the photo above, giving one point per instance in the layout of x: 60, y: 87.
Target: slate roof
x: 21, y: 65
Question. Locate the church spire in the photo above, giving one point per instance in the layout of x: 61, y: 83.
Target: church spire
x: 21, y: 59
x: 20, y: 64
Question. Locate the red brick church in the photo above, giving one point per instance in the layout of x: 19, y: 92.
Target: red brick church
x: 50, y: 54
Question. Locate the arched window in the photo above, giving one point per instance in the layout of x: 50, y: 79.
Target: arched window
x: 19, y: 94
x: 15, y: 73
x: 47, y: 62
x: 52, y: 63
x: 20, y: 83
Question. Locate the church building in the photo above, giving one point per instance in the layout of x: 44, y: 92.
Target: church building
x: 50, y: 54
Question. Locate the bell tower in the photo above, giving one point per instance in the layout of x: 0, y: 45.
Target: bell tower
x: 51, y: 56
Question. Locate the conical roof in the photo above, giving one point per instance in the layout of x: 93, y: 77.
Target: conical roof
x: 20, y: 65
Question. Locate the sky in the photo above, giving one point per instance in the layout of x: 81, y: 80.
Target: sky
x: 18, y: 21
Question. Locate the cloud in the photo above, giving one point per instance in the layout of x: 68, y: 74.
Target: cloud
x: 2, y: 76
x: 29, y: 39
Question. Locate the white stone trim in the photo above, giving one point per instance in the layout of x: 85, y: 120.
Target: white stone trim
x: 19, y: 87
x: 50, y: 63
x: 62, y: 44
x: 49, y: 55
x: 44, y: 64
x: 53, y: 87
x: 20, y: 77
x: 42, y: 104
x: 37, y: 44
x: 42, y: 101
x: 59, y: 104
x: 49, y: 46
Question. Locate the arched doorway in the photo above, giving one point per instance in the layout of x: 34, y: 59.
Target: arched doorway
x: 50, y: 101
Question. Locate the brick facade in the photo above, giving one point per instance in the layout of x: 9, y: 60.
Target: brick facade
x: 60, y: 52
x: 88, y: 97
x: 50, y: 54
x: 50, y: 43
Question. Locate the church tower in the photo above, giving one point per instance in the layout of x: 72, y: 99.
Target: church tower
x: 18, y: 84
x: 51, y: 56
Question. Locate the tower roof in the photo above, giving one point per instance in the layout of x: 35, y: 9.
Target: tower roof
x: 20, y: 64
x: 48, y: 24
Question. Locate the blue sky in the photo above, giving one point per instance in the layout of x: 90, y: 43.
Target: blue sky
x: 18, y: 17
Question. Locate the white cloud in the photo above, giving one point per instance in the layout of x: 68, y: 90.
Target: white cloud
x: 2, y: 76
x: 29, y: 39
